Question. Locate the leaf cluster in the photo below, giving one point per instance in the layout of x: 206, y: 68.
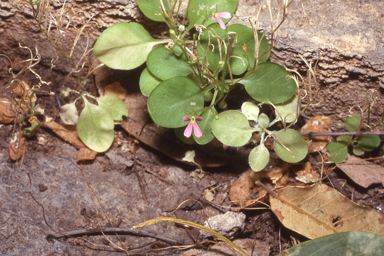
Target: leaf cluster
x: 201, y: 70
x: 360, y: 144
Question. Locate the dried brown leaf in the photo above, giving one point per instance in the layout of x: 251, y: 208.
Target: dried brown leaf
x: 318, y: 124
x: 17, y: 147
x: 240, y: 190
x: 66, y: 132
x: 320, y: 210
x: 115, y: 89
x: 362, y: 172
x: 85, y: 154
x: 7, y: 115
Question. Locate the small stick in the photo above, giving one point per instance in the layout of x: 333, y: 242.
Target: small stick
x: 97, y: 231
x: 314, y: 134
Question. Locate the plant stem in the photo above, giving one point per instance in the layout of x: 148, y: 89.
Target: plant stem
x: 315, y: 134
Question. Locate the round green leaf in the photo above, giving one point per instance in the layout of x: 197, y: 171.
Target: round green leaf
x: 287, y: 110
x: 114, y: 106
x: 352, y: 123
x: 199, y: 10
x: 164, y: 64
x: 148, y: 82
x: 171, y: 98
x: 244, y: 36
x: 270, y: 82
x: 293, y: 140
x: 125, y: 45
x: 259, y: 158
x: 232, y: 128
x: 340, y: 244
x: 250, y: 110
x: 357, y: 150
x: 95, y: 127
x: 152, y: 9
x: 345, y: 139
x: 205, y: 126
x: 368, y: 142
x: 338, y: 151
x: 263, y: 121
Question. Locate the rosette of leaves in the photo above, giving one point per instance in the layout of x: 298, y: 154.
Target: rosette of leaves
x: 338, y: 150
x: 95, y: 125
x: 233, y: 128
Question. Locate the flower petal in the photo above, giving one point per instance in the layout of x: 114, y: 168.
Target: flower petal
x: 221, y: 23
x: 199, y: 118
x: 225, y: 15
x: 186, y: 118
x: 188, y: 130
x: 217, y: 7
x: 196, y: 130
x: 213, y: 17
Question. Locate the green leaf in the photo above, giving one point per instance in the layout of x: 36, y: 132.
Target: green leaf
x: 205, y: 126
x: 357, y: 150
x: 263, y: 121
x: 152, y: 9
x: 114, y: 106
x: 287, y: 110
x: 164, y: 64
x: 148, y: 82
x: 95, y: 127
x: 69, y: 115
x: 180, y: 135
x: 369, y: 142
x: 270, y: 82
x: 352, y: 123
x: 340, y: 244
x: 232, y: 128
x: 125, y: 46
x: 293, y: 140
x: 338, y: 151
x: 250, y: 110
x: 198, y: 11
x: 259, y: 158
x: 171, y: 98
x: 244, y: 36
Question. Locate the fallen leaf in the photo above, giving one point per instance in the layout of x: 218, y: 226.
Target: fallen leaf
x: 240, y: 190
x: 308, y: 175
x: 17, y: 147
x: 320, y: 210
x: 7, y: 115
x: 85, y: 154
x: 362, y: 172
x: 66, y: 132
x: 317, y: 124
x: 115, y: 89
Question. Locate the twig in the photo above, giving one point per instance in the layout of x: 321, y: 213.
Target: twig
x: 96, y: 231
x: 314, y: 134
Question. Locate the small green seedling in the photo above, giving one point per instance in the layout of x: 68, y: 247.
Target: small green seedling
x: 338, y: 150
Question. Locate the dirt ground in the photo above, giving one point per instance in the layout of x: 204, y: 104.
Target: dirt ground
x: 51, y: 205
x: 47, y: 194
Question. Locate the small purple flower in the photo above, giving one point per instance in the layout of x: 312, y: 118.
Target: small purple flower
x: 192, y: 126
x: 217, y: 16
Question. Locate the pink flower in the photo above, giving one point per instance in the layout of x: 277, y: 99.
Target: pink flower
x: 217, y: 16
x: 192, y: 126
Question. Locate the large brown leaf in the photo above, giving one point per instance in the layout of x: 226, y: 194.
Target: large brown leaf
x: 362, y: 172
x: 320, y: 210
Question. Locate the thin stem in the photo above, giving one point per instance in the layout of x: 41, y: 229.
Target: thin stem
x: 315, y: 134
